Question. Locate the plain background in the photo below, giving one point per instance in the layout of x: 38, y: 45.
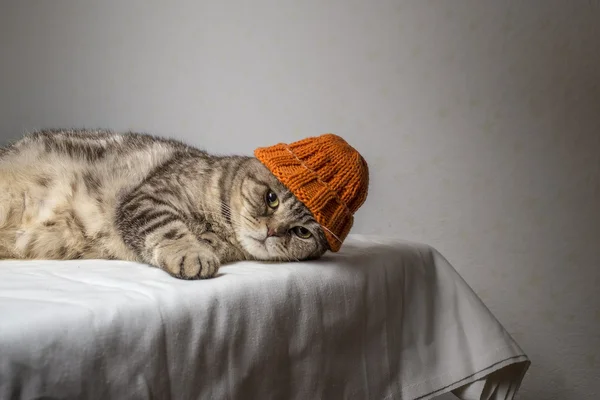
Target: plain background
x: 480, y: 121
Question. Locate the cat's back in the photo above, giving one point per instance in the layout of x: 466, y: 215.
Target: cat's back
x: 58, y: 154
x: 62, y: 163
x: 71, y: 178
x: 81, y: 147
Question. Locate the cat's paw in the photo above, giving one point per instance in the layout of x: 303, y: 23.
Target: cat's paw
x: 187, y: 259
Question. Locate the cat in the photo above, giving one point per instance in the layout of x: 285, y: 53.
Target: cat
x: 96, y: 194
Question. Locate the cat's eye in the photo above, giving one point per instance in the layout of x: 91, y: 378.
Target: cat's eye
x: 271, y: 199
x: 302, y: 232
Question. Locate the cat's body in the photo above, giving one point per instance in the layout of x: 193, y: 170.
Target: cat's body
x: 95, y: 194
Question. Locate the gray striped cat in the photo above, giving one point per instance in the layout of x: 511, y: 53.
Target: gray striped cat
x: 69, y: 194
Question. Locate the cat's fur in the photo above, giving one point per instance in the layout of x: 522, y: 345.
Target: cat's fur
x: 68, y: 194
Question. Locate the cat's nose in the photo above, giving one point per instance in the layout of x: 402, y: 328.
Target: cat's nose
x: 273, y: 231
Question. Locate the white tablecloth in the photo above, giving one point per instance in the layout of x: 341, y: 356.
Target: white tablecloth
x: 382, y: 319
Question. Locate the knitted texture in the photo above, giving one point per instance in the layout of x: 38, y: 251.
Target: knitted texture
x: 326, y: 174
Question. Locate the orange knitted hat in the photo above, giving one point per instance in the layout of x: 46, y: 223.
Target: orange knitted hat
x: 327, y: 175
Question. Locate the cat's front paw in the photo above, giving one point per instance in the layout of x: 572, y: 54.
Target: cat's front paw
x: 187, y: 259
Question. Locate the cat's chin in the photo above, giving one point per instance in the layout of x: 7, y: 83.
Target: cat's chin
x: 256, y: 248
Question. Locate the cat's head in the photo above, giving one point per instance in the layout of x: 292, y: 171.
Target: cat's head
x: 271, y: 223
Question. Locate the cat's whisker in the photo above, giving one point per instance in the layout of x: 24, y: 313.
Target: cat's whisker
x: 212, y: 213
x: 233, y: 223
x: 239, y: 214
x: 331, y: 233
x: 249, y: 212
x: 222, y: 204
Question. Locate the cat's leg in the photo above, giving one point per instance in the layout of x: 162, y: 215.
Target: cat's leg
x: 157, y: 231
x: 225, y: 250
x: 184, y: 256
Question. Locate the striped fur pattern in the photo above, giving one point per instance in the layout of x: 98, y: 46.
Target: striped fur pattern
x: 70, y: 194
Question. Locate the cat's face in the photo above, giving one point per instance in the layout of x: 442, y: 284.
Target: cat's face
x: 272, y: 224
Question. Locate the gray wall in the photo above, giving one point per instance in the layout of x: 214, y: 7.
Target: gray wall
x: 480, y: 120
